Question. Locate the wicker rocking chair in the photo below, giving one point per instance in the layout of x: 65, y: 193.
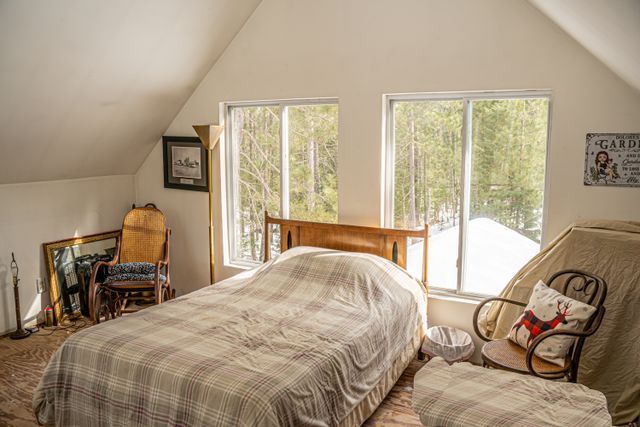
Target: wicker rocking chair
x: 144, y: 238
x: 505, y: 354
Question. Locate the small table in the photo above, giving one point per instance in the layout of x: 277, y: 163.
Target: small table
x: 452, y: 344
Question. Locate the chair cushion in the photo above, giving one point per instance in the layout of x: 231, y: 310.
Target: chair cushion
x: 133, y: 277
x: 132, y: 268
x: 548, y: 309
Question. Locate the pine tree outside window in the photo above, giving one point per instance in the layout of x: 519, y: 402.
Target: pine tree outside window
x: 281, y: 157
x: 472, y: 166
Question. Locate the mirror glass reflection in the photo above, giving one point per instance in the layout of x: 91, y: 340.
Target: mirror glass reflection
x: 73, y: 266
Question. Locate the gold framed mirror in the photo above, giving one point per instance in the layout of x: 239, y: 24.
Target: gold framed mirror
x: 69, y: 263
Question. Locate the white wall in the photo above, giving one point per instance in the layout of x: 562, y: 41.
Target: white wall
x: 357, y: 51
x: 187, y: 215
x: 34, y: 213
x: 607, y: 29
x: 88, y: 86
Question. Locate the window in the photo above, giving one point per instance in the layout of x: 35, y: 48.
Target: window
x: 472, y: 166
x: 281, y: 157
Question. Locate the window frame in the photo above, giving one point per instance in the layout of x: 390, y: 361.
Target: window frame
x: 230, y: 184
x: 466, y: 97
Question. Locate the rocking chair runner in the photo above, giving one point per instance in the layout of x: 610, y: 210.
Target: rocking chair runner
x: 144, y: 238
x: 507, y: 355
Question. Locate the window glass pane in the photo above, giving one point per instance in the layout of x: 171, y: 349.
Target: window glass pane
x: 274, y: 237
x: 428, y: 155
x: 255, y: 144
x: 255, y: 176
x: 509, y: 140
x: 313, y: 162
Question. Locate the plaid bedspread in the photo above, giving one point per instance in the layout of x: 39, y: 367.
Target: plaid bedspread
x: 300, y: 342
x: 467, y: 395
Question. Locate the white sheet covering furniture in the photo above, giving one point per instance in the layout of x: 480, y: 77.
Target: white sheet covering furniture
x: 466, y: 395
x: 304, y: 340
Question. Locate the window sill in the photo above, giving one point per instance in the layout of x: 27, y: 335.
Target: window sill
x: 244, y: 266
x: 447, y: 296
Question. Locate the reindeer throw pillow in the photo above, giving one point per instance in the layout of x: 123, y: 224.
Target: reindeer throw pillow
x: 549, y: 309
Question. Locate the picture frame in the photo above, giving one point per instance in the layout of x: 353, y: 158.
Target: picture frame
x: 186, y: 163
x: 612, y: 159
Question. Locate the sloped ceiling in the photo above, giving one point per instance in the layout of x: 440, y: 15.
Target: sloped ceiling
x: 609, y: 29
x: 87, y: 87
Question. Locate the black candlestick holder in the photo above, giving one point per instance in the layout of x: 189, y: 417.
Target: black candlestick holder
x: 20, y: 332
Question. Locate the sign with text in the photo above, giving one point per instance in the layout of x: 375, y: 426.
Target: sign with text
x: 612, y: 159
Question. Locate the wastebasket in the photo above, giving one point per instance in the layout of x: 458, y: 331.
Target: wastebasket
x: 453, y: 345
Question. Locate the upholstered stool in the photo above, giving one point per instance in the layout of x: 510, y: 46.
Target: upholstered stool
x: 466, y: 395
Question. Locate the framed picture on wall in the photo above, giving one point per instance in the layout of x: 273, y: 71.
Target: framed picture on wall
x: 185, y: 163
x: 612, y: 159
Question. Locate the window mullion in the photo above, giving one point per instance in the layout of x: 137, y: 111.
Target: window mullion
x: 465, y: 194
x: 232, y: 183
x: 390, y: 164
x: 284, y: 162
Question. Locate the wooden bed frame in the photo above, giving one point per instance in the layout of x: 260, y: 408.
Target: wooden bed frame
x: 388, y: 243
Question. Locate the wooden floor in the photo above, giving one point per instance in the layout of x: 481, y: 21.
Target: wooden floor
x: 395, y: 409
x: 22, y: 363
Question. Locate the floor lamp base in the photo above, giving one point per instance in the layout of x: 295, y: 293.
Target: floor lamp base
x: 19, y: 334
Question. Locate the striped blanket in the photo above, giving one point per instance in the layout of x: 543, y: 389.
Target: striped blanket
x: 299, y: 342
x: 467, y: 395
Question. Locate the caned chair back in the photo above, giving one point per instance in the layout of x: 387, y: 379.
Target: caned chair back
x: 143, y: 236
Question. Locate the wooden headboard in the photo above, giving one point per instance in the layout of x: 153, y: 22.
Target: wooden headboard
x: 388, y: 243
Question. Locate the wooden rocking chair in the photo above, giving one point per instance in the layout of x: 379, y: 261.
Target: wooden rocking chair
x: 144, y: 238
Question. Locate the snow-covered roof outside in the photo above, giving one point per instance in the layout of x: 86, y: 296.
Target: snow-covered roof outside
x: 495, y: 253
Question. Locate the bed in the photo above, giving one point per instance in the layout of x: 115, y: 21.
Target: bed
x: 315, y: 336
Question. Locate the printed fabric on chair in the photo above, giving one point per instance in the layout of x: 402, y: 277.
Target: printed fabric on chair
x: 140, y: 265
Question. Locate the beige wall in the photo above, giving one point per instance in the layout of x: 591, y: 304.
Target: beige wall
x: 357, y: 51
x: 34, y: 213
x: 87, y: 87
x: 187, y: 215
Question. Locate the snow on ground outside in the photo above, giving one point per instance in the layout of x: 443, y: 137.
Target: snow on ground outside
x: 495, y: 253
